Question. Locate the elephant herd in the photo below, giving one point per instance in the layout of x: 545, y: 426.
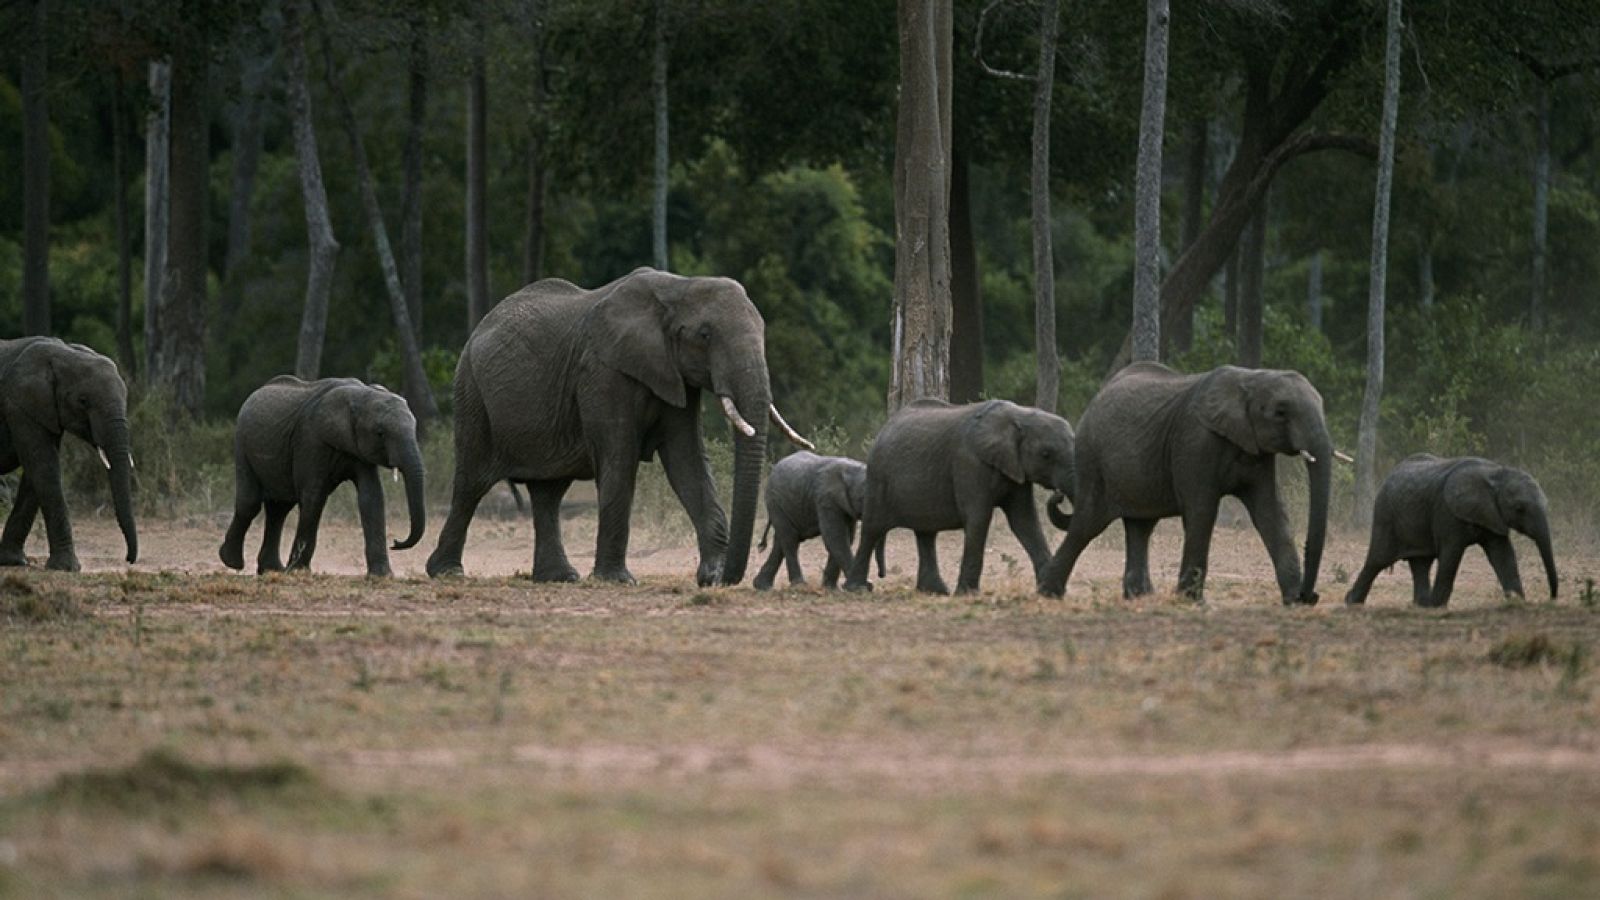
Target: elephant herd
x: 559, y: 383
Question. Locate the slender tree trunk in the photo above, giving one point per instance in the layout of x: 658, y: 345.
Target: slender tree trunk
x: 1367, y: 440
x: 1047, y: 354
x: 921, y: 332
x: 1196, y: 172
x: 1425, y: 288
x: 658, y: 87
x: 533, y: 231
x: 1252, y: 274
x: 35, y: 175
x: 477, y: 177
x: 156, y: 206
x: 246, y: 160
x: 1230, y: 298
x: 1541, y: 208
x: 411, y: 195
x: 415, y: 387
x: 183, y: 295
x: 1314, y: 290
x: 1147, y: 201
x: 323, y: 247
x: 966, y: 298
x: 119, y: 186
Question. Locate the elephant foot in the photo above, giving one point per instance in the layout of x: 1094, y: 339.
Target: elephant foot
x: 440, y: 566
x: 63, y: 561
x: 561, y: 574
x: 1137, y: 588
x: 381, y: 570
x: 1351, y: 599
x: 933, y: 587
x: 232, y: 556
x: 762, y: 583
x: 613, y: 574
x: 265, y: 567
x: 1431, y: 603
x: 709, y: 572
x: 13, y: 556
x: 858, y: 587
x: 1301, y: 599
x: 962, y: 588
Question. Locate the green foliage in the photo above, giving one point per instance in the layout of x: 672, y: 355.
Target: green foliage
x: 438, y: 364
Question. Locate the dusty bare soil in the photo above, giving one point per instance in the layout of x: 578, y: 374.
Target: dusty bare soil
x: 489, y: 737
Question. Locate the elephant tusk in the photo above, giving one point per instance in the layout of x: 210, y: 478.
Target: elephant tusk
x: 793, y: 436
x: 1308, y: 457
x: 394, y: 475
x: 103, y: 461
x: 745, y: 428
x: 1343, y: 457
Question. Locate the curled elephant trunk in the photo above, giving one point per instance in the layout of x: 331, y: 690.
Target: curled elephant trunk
x: 749, y: 405
x: 116, y: 450
x: 1319, y: 471
x: 411, y: 470
x: 1052, y: 508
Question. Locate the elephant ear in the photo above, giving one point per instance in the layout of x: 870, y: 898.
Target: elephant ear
x: 1470, y: 495
x: 30, y: 387
x: 333, y: 413
x: 997, y: 439
x: 846, y: 490
x: 630, y: 335
x: 1222, y: 401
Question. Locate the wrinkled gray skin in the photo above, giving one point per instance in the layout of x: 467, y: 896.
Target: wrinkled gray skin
x: 295, y: 441
x: 1431, y: 508
x: 559, y: 383
x: 49, y: 388
x: 810, y: 495
x: 937, y: 467
x: 1155, y: 443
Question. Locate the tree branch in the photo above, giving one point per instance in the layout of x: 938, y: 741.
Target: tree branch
x: 977, y: 49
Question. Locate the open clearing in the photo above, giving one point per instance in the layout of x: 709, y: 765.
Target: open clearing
x: 326, y: 734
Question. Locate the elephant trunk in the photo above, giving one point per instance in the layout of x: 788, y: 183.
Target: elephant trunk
x: 753, y: 398
x: 1548, y: 554
x: 111, y: 437
x: 1052, y: 508
x: 411, y: 470
x: 1319, y: 471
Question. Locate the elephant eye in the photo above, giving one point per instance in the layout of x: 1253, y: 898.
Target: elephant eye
x: 704, y: 333
x: 1045, y: 453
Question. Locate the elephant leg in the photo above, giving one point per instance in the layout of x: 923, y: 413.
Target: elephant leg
x: 1022, y: 516
x: 42, y: 468
x: 1087, y: 524
x: 975, y: 538
x: 24, y: 509
x: 1445, y: 581
x: 614, y: 483
x: 1381, y: 555
x: 683, y: 456
x: 549, y: 553
x: 1503, y: 557
x: 1199, y: 519
x: 369, y: 504
x: 305, y: 532
x: 1136, y: 566
x: 1419, y: 579
x: 769, y: 569
x: 789, y: 542
x: 928, y: 580
x: 838, y: 533
x: 247, y: 502
x: 474, y: 477
x: 1272, y: 523
x: 872, y: 535
x: 272, y: 537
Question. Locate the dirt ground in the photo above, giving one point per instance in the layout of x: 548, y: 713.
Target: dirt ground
x: 489, y: 737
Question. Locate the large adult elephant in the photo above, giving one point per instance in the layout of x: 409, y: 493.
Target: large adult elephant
x: 49, y: 388
x: 1431, y: 508
x: 559, y: 383
x: 1155, y: 443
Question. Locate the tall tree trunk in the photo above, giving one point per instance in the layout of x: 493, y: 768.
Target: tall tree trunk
x: 183, y: 294
x: 35, y: 175
x: 658, y: 87
x: 1252, y: 274
x: 1196, y: 172
x: 1230, y: 298
x: 414, y: 381
x: 1541, y: 208
x: 411, y: 195
x: 921, y: 341
x: 477, y: 176
x: 1314, y: 290
x: 966, y: 297
x: 533, y: 231
x: 119, y: 185
x: 157, y: 122
x: 246, y: 159
x: 1147, y: 199
x: 323, y: 247
x: 1367, y: 439
x: 1047, y: 353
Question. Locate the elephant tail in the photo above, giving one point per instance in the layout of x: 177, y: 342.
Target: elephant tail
x: 764, y: 532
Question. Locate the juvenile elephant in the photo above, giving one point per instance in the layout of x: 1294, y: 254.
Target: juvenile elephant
x: 49, y: 388
x: 810, y: 495
x: 937, y: 467
x: 295, y: 441
x: 558, y: 383
x: 1154, y: 443
x: 1431, y: 508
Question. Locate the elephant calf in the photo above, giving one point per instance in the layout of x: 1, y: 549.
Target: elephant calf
x: 810, y: 495
x: 296, y: 441
x: 937, y: 467
x: 1431, y: 508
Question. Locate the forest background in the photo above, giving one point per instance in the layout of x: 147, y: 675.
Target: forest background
x: 779, y: 174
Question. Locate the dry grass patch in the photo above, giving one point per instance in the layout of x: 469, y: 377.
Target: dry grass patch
x: 161, y: 779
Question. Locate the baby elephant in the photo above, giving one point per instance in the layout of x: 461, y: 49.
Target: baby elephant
x: 937, y: 467
x: 810, y: 495
x: 1436, y: 508
x: 296, y: 441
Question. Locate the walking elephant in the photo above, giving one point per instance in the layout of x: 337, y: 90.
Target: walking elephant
x: 937, y: 467
x: 1431, y: 508
x: 49, y: 388
x: 295, y: 441
x: 1154, y: 443
x: 559, y: 383
x: 810, y: 495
